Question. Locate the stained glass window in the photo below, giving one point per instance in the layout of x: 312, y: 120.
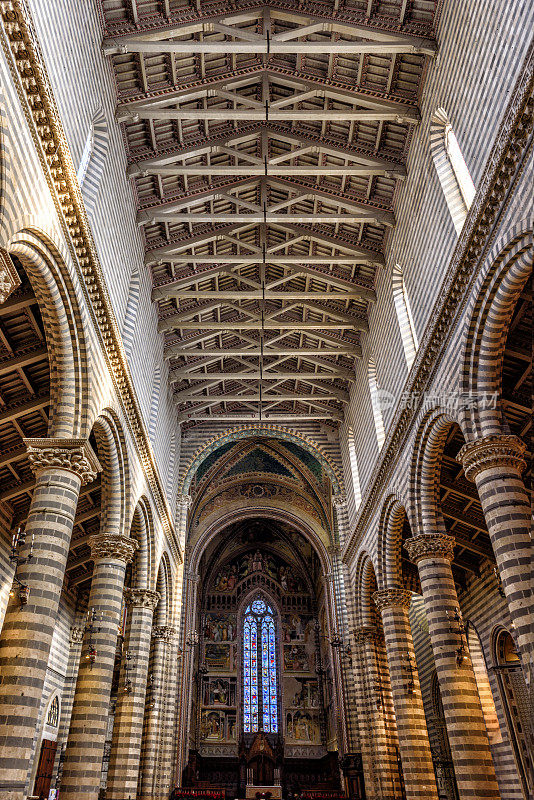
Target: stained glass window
x: 260, y: 695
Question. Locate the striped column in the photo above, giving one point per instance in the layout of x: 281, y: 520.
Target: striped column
x: 359, y: 670
x: 124, y: 763
x: 82, y: 767
x: 152, y: 733
x: 471, y: 755
x: 168, y: 754
x: 495, y: 464
x: 61, y: 466
x: 380, y: 745
x: 414, y: 745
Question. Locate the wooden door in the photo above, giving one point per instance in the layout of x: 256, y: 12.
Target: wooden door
x: 45, y: 768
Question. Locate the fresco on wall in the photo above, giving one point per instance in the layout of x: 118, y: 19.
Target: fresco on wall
x: 303, y: 727
x: 217, y: 726
x: 219, y: 692
x: 220, y: 627
x: 301, y: 693
x: 218, y: 656
x: 227, y: 578
x: 296, y: 658
x: 298, y: 628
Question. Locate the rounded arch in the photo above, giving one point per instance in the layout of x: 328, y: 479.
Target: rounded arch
x: 223, y: 521
x: 390, y: 541
x: 142, y: 530
x: 64, y: 330
x: 425, y: 472
x: 270, y: 431
x: 509, y: 265
x: 112, y: 454
x: 164, y: 588
x: 366, y: 584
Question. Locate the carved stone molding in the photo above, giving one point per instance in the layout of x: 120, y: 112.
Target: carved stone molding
x: 9, y: 277
x: 492, y: 451
x: 76, y: 635
x: 166, y: 632
x: 113, y: 546
x: 387, y: 598
x: 367, y: 633
x: 437, y: 545
x: 74, y: 455
x: 142, y: 598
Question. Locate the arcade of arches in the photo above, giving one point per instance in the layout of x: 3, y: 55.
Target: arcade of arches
x: 266, y: 400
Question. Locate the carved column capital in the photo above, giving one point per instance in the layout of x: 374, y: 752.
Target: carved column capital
x: 184, y: 500
x: 366, y: 633
x: 142, y: 598
x: 339, y: 500
x: 438, y: 545
x: 109, y: 545
x: 76, y: 635
x: 387, y: 598
x: 9, y: 277
x: 74, y: 455
x: 192, y: 577
x: 166, y: 632
x: 492, y: 451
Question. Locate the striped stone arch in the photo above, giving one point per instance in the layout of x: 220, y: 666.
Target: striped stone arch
x: 390, y: 541
x: 142, y: 530
x: 508, y: 267
x: 64, y: 325
x: 366, y: 583
x: 112, y: 454
x: 423, y: 508
x: 270, y: 431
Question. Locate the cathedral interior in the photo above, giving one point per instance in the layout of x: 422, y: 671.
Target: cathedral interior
x: 266, y: 400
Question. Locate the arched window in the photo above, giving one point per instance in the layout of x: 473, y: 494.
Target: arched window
x: 483, y: 685
x: 404, y: 315
x: 456, y: 182
x: 260, y: 682
x: 52, y: 718
x: 128, y: 327
x: 154, y: 404
x: 517, y: 705
x: 354, y: 468
x: 93, y: 158
x: 375, y: 403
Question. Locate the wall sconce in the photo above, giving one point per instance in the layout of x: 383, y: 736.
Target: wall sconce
x: 410, y: 682
x: 500, y: 587
x: 459, y: 629
x: 128, y: 685
x: 17, y: 542
x: 91, y: 628
x: 193, y: 639
x: 337, y: 641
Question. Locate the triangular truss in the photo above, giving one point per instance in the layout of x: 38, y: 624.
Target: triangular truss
x: 266, y: 145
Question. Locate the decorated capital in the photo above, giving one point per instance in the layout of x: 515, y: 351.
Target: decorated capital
x: 505, y: 450
x: 112, y: 546
x: 166, y: 632
x: 73, y: 455
x: 438, y: 545
x: 142, y: 598
x: 9, y: 277
x: 388, y: 598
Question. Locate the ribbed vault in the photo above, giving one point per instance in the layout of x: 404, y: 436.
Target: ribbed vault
x: 266, y: 143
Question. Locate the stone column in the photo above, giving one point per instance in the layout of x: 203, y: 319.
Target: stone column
x: 124, y: 763
x: 471, y: 755
x: 152, y: 733
x: 82, y: 767
x: 414, y: 745
x: 495, y: 464
x: 61, y: 466
x: 382, y: 779
x: 168, y: 754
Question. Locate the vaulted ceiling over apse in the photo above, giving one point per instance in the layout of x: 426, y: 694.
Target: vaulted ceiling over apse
x: 266, y: 143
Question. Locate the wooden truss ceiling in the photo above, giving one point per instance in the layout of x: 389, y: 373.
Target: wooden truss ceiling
x: 266, y: 144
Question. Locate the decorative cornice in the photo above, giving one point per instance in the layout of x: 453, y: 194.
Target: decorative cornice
x: 509, y: 152
x: 74, y: 455
x: 112, y: 546
x: 388, y: 598
x: 490, y: 452
x: 142, y: 598
x: 437, y: 545
x: 30, y: 77
x: 9, y: 277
